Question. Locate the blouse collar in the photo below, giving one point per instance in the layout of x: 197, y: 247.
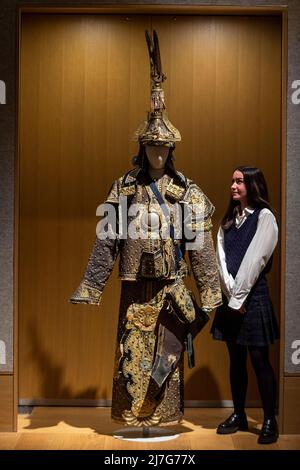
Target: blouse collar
x: 243, y: 216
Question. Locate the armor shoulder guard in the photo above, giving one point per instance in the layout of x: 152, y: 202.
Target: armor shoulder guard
x: 123, y: 186
x: 194, y: 195
x: 113, y: 193
x: 128, y: 182
x: 177, y: 187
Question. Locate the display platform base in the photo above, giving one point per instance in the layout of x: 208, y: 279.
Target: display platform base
x: 140, y: 434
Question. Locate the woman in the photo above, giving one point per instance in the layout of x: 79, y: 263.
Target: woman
x: 246, y: 240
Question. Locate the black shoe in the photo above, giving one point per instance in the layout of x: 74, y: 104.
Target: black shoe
x: 269, y: 432
x: 235, y: 422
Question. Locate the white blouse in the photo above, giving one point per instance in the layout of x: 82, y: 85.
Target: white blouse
x: 256, y: 257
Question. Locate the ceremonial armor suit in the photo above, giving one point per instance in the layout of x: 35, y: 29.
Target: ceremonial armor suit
x: 141, y: 299
x: 148, y: 265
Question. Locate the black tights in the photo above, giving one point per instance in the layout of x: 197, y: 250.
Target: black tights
x: 264, y: 374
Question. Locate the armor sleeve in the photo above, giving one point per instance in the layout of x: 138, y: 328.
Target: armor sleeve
x: 100, y: 264
x: 203, y: 258
x: 204, y: 267
x: 99, y: 268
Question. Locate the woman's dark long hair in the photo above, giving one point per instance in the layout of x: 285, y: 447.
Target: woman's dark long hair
x: 257, y: 194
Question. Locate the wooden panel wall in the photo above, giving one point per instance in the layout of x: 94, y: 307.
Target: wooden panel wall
x: 291, y: 406
x: 6, y: 402
x: 84, y: 90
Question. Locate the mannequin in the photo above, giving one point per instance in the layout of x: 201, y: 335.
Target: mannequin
x: 148, y: 373
x: 157, y: 157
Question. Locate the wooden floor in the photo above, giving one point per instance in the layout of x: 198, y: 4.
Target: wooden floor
x: 65, y: 428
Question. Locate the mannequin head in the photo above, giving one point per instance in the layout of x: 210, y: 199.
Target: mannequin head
x: 157, y: 156
x: 142, y: 159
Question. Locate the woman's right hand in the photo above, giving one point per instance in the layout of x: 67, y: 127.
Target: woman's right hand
x: 242, y: 309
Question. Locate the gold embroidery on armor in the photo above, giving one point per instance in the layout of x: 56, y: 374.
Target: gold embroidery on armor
x: 194, y: 195
x: 139, y: 350
x: 182, y: 297
x: 171, y: 358
x: 160, y: 341
x: 204, y: 225
x: 176, y: 375
x: 197, y: 198
x: 174, y: 191
x: 168, y: 247
x: 132, y: 420
x: 144, y: 316
x: 210, y: 299
x: 143, y: 408
x: 208, y: 225
x: 128, y: 190
x: 87, y: 294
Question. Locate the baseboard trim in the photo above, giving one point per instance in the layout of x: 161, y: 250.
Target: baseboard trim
x: 106, y: 403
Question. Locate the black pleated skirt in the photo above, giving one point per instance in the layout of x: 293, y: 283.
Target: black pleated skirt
x: 257, y: 327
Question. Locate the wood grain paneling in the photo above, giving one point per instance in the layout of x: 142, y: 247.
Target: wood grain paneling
x: 6, y: 403
x: 291, y: 405
x: 84, y: 91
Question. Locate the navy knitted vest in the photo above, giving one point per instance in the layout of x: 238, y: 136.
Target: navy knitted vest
x: 237, y: 240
